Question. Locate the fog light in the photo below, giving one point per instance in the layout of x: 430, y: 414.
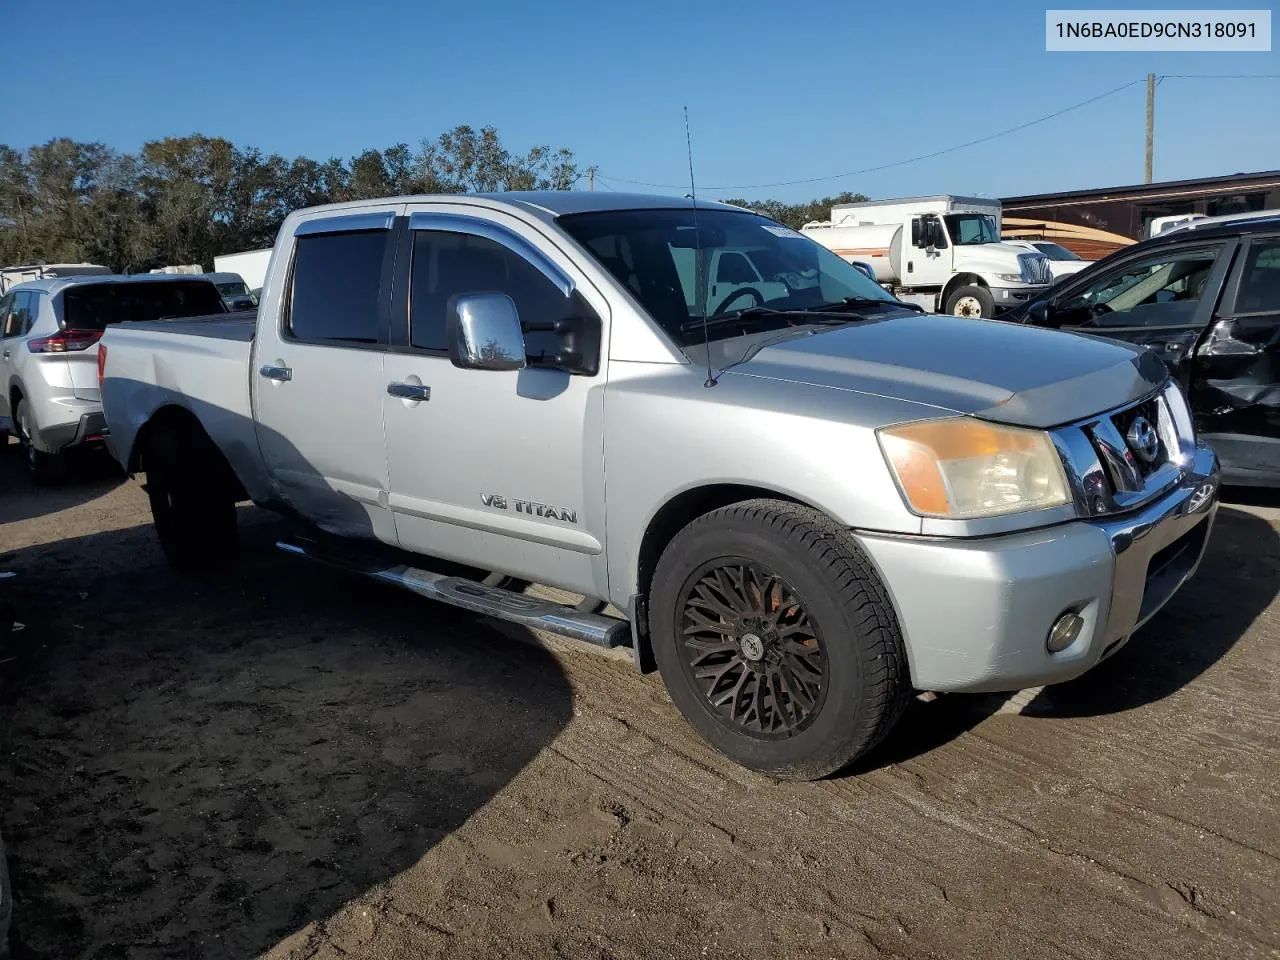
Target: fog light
x: 1064, y: 631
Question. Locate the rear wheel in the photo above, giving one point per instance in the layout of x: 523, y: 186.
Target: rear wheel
x: 973, y: 302
x: 42, y: 467
x: 776, y: 639
x: 191, y: 503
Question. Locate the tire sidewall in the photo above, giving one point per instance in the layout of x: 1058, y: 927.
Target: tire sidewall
x: 195, y: 524
x: 985, y: 300
x: 839, y: 720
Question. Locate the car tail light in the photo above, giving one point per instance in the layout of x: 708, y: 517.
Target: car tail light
x: 65, y: 341
x: 102, y: 363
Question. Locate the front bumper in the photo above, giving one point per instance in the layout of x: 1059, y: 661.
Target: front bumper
x: 1006, y: 298
x: 975, y: 614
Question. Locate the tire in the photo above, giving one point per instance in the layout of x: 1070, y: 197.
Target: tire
x: 965, y: 298
x: 43, y: 468
x: 191, y: 504
x: 851, y: 640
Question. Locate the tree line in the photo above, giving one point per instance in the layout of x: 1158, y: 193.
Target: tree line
x: 184, y: 200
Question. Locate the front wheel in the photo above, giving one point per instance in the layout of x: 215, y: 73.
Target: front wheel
x: 777, y: 640
x: 973, y: 302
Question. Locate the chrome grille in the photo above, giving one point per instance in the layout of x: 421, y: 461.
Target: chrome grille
x: 1034, y: 267
x: 1125, y: 457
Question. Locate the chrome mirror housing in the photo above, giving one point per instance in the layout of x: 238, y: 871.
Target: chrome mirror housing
x: 485, y: 333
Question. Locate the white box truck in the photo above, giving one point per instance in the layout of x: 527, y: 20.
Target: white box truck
x: 943, y: 252
x: 39, y: 271
x: 251, y: 265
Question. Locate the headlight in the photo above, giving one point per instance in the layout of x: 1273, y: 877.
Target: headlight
x: 963, y: 468
x: 1178, y: 429
x: 1009, y: 277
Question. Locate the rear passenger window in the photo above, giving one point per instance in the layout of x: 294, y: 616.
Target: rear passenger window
x: 6, y: 315
x: 337, y: 280
x: 450, y: 265
x: 18, y: 318
x: 1260, y: 281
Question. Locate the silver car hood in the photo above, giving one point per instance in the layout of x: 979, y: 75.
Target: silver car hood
x: 1003, y: 372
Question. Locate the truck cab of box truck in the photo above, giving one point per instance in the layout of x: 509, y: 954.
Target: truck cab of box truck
x: 943, y: 253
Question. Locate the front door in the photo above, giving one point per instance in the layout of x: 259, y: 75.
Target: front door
x: 1235, y: 379
x: 319, y: 379
x: 502, y: 470
x: 1162, y: 301
x: 927, y: 253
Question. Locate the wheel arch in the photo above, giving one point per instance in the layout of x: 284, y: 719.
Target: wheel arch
x: 180, y: 420
x: 667, y: 521
x: 960, y: 280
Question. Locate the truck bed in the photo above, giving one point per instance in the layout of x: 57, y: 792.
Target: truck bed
x: 240, y: 325
x: 199, y: 364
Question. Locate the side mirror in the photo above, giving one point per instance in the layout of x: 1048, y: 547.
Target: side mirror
x: 485, y: 334
x: 1038, y: 313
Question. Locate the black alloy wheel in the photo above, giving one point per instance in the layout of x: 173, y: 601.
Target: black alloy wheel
x: 748, y: 643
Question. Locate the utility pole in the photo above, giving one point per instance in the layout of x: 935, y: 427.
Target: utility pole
x: 1151, y: 123
x: 591, y: 178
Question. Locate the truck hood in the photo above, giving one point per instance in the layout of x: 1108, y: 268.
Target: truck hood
x: 998, y: 371
x: 990, y: 257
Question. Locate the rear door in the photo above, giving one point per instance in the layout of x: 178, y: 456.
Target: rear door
x: 318, y: 381
x: 10, y: 321
x: 1162, y: 300
x: 1235, y: 388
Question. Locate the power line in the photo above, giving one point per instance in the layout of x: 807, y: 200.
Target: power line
x: 1220, y: 76
x: 960, y: 146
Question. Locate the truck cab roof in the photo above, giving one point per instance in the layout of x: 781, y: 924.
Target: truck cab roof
x: 543, y: 204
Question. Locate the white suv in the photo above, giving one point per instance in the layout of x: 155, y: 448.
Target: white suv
x: 49, y: 331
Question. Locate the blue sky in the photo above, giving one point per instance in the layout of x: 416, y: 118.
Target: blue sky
x: 776, y: 91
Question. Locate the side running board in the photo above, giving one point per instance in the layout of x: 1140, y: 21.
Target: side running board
x: 476, y: 597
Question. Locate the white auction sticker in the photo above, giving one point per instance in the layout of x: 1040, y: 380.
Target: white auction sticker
x: 1239, y: 31
x: 786, y: 232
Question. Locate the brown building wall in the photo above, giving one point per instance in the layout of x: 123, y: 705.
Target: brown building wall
x: 1095, y: 223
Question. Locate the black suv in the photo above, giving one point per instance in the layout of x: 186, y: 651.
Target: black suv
x: 1207, y: 299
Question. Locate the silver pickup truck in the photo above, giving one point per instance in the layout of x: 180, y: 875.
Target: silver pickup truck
x: 807, y: 498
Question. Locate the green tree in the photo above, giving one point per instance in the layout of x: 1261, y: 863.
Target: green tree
x: 186, y: 199
x: 796, y: 215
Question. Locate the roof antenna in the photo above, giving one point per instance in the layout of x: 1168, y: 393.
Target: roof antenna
x: 698, y: 287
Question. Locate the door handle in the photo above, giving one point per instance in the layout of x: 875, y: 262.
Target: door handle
x: 6, y: 354
x: 409, y: 391
x: 279, y: 374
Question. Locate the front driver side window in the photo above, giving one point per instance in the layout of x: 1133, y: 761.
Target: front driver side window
x: 1159, y: 291
x: 734, y: 269
x: 449, y: 265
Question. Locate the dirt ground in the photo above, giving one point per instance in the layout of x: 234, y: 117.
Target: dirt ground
x: 288, y: 761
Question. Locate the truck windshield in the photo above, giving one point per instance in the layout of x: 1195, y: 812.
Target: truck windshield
x: 967, y: 229
x: 731, y: 262
x: 95, y: 306
x: 234, y: 288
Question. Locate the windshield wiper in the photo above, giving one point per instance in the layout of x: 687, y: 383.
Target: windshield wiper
x: 762, y: 313
x: 848, y: 303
